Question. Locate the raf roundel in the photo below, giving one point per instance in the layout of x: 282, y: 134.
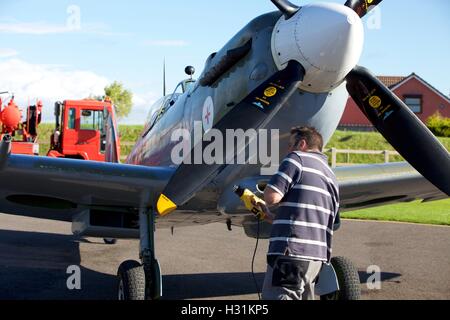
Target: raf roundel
x: 208, y: 114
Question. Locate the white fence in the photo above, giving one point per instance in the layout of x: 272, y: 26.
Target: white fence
x: 334, y: 152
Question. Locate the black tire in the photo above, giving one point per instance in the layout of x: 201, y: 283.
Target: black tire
x: 348, y: 279
x: 109, y: 240
x: 131, y: 281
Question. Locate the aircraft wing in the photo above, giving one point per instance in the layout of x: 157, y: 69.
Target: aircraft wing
x: 365, y: 186
x: 360, y: 186
x: 57, y: 189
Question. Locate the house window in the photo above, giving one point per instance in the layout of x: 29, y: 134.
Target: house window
x: 414, y: 103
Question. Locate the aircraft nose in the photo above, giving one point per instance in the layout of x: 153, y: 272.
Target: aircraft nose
x: 327, y: 39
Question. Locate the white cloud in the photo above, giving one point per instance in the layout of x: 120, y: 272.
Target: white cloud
x: 48, y: 83
x: 44, y: 28
x: 165, y: 43
x: 51, y: 83
x: 33, y: 28
x: 8, y: 53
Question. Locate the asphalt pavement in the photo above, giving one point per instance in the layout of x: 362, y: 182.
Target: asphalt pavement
x: 210, y: 262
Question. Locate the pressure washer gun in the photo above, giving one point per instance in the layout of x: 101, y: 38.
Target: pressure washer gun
x: 251, y: 201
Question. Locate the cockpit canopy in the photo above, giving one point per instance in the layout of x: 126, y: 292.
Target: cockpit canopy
x: 184, y: 86
x: 160, y: 107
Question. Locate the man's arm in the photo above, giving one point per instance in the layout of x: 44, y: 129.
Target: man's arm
x: 282, y: 181
x: 271, y: 197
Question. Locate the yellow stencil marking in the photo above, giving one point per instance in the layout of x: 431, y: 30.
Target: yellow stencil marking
x: 375, y: 102
x: 270, y: 92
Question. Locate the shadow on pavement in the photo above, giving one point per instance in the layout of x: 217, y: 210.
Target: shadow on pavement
x: 209, y: 285
x: 33, y: 266
x: 384, y: 276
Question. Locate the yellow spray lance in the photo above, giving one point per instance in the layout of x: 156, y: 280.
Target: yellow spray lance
x: 251, y: 201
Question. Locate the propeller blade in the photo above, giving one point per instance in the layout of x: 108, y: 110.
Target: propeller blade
x: 400, y: 126
x: 287, y: 8
x: 362, y: 7
x: 253, y: 112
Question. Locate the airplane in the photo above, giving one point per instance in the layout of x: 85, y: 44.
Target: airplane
x: 295, y: 66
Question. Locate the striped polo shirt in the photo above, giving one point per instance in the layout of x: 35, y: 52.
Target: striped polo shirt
x: 303, y: 226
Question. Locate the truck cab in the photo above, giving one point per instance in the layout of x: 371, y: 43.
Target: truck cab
x: 80, y: 131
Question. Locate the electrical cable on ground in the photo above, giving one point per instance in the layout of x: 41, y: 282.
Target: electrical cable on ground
x: 253, y: 261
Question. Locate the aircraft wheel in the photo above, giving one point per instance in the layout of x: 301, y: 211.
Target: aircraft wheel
x: 348, y: 279
x: 131, y: 278
x: 109, y: 240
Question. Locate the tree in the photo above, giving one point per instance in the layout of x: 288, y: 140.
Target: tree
x: 439, y: 125
x: 121, y: 98
x: 95, y: 97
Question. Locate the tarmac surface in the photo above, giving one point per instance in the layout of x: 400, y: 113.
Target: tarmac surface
x: 209, y: 262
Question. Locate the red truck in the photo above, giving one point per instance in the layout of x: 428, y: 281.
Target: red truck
x: 82, y: 131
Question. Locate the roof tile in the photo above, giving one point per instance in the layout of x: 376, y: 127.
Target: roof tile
x: 390, y: 81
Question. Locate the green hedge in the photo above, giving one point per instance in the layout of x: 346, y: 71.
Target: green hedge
x: 439, y: 125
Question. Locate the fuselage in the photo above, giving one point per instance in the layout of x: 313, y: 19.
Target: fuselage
x: 254, y: 54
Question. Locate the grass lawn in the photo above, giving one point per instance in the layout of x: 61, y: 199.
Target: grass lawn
x: 436, y: 212
x: 365, y: 141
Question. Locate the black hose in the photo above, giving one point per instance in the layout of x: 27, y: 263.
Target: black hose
x: 253, y: 261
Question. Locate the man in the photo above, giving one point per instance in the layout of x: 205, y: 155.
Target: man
x: 307, y: 193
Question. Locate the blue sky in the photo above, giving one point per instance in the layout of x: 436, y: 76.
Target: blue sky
x: 44, y: 54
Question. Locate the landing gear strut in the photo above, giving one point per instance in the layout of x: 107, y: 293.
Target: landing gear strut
x: 141, y: 281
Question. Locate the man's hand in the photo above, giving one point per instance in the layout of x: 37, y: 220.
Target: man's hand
x: 261, y: 205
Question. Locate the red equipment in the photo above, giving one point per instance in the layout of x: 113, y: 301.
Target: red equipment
x: 80, y: 131
x: 10, y: 123
x: 10, y: 117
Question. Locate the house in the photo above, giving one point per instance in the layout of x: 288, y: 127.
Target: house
x: 420, y: 96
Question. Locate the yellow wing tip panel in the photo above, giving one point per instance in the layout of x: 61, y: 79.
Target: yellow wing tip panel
x: 165, y: 205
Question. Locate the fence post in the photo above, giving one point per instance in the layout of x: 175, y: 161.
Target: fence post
x: 333, y: 157
x: 386, y: 156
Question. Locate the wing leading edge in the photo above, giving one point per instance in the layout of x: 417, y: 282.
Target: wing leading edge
x: 374, y: 185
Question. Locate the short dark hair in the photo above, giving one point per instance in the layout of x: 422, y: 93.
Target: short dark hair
x: 312, y: 137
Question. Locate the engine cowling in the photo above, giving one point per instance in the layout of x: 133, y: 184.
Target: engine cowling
x: 325, y: 38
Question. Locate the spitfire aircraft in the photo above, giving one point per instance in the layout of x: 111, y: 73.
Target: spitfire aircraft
x: 295, y: 66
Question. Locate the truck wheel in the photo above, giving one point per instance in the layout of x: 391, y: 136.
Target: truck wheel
x: 131, y: 278
x: 109, y: 241
x: 348, y: 279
